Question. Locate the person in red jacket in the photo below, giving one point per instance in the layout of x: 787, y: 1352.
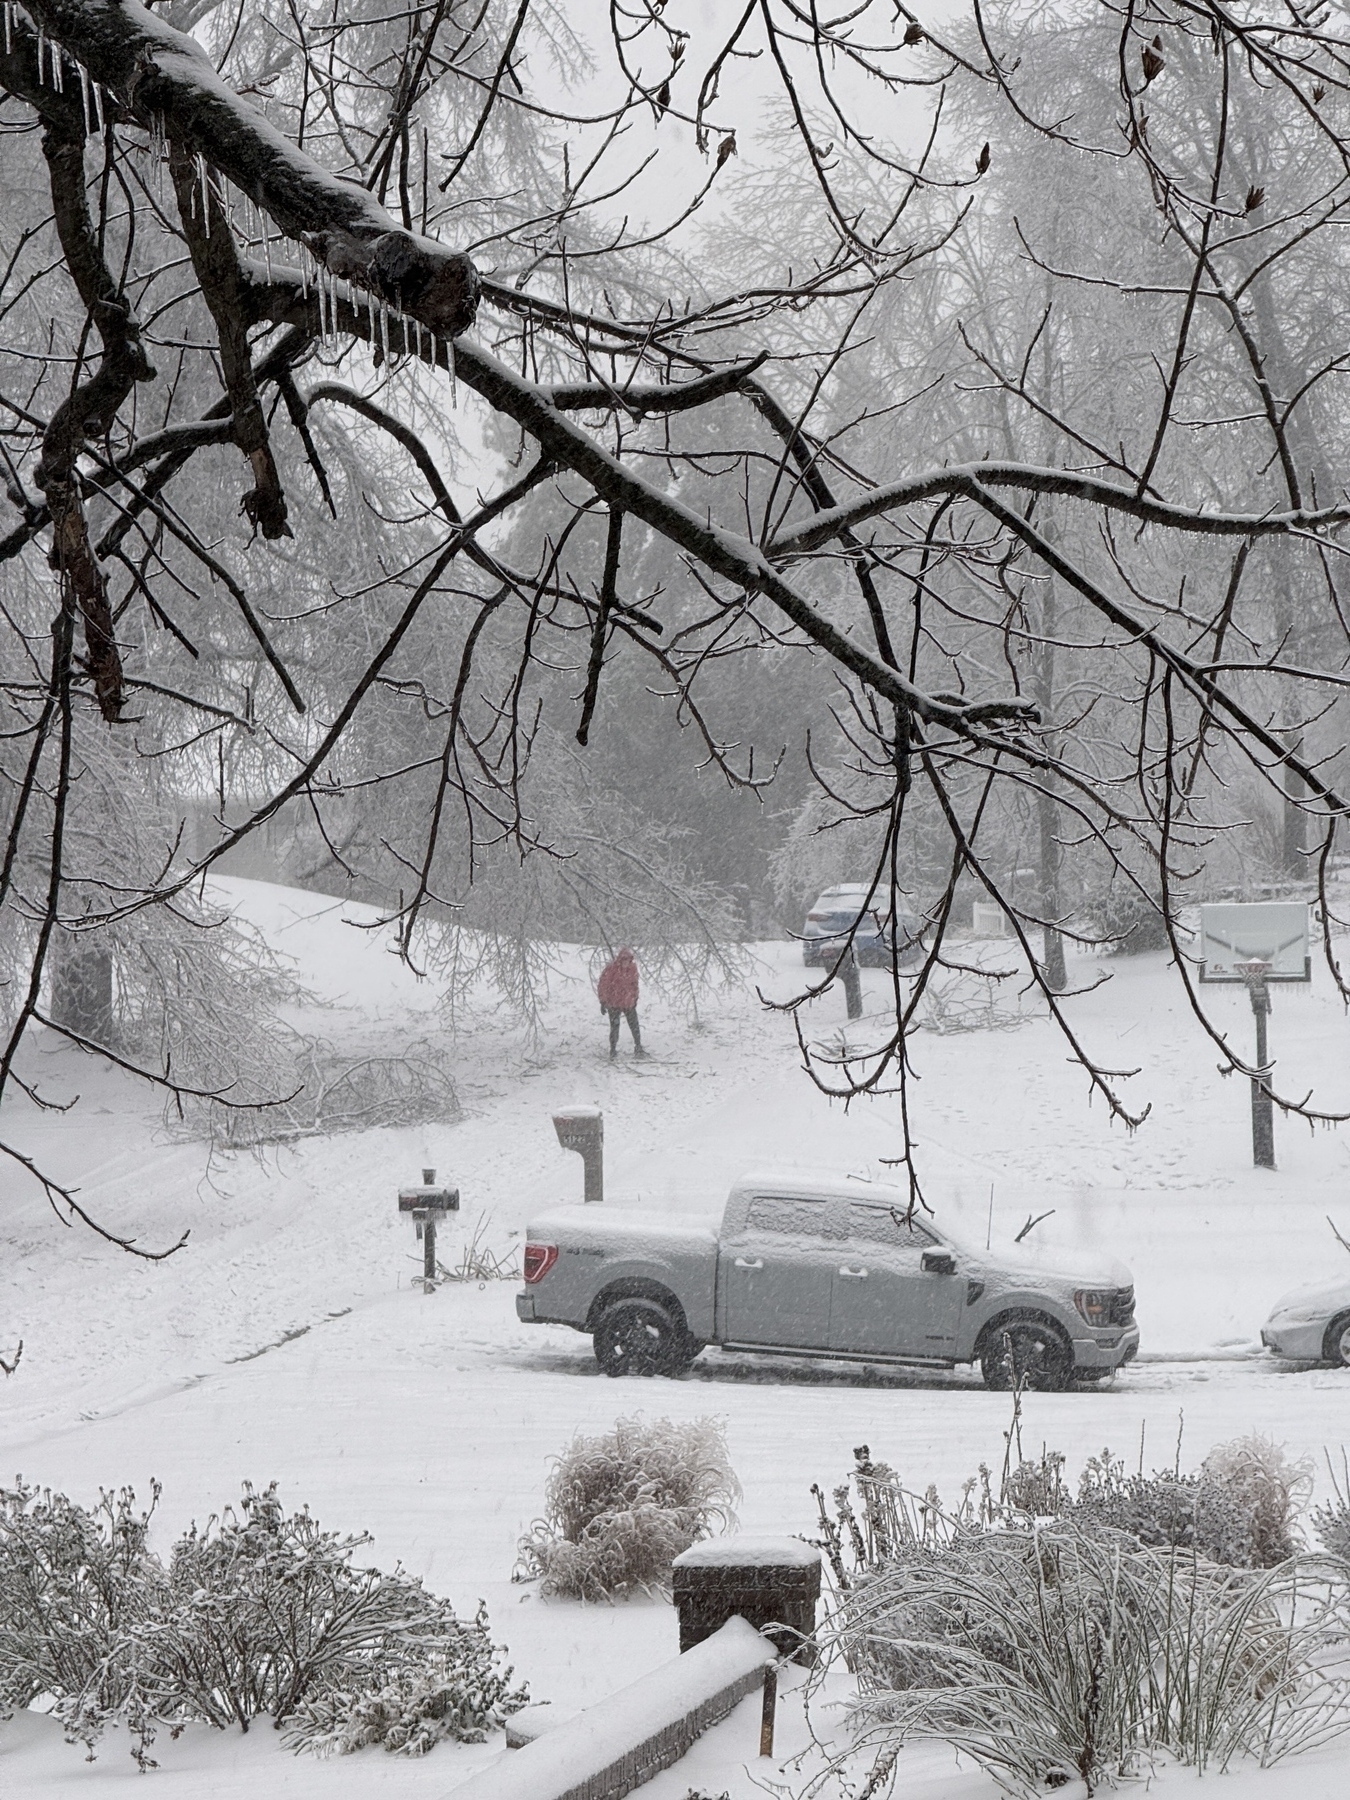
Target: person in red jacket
x: 618, y: 990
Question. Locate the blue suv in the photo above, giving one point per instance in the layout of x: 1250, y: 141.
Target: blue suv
x: 837, y: 911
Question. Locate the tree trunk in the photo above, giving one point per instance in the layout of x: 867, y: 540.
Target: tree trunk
x: 1293, y: 858
x: 82, y: 985
x: 1053, y: 970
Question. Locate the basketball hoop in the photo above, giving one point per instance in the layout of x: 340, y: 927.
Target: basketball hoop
x: 1255, y: 969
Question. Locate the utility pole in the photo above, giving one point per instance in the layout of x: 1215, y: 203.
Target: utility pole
x: 1263, y: 1109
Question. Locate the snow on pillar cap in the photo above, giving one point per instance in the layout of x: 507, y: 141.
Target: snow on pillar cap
x: 749, y: 1553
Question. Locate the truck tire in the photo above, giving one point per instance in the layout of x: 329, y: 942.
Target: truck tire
x: 640, y: 1337
x: 1027, y: 1349
x: 1336, y: 1344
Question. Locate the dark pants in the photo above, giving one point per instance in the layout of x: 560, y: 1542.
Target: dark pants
x: 615, y: 1014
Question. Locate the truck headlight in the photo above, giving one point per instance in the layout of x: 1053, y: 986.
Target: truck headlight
x: 1094, y: 1304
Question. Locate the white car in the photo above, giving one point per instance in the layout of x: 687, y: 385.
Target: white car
x: 1312, y: 1323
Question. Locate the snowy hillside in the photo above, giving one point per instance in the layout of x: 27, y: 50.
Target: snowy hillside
x: 287, y: 1341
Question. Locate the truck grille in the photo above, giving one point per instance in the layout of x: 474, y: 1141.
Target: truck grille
x: 1122, y: 1306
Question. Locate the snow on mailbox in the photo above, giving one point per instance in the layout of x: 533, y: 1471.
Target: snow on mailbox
x: 428, y: 1203
x: 582, y: 1128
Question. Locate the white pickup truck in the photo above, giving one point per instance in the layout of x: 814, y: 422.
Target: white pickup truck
x: 808, y: 1266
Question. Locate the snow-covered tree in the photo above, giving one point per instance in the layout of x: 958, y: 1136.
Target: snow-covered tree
x: 381, y: 389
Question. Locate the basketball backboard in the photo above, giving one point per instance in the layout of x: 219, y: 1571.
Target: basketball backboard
x: 1274, y: 932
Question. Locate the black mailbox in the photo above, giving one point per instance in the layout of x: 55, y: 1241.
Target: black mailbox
x: 428, y: 1203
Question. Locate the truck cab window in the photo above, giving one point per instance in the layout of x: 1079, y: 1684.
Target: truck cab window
x: 800, y: 1218
x: 886, y: 1225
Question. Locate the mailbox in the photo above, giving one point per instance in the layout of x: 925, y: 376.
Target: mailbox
x: 428, y: 1198
x: 428, y: 1203
x: 582, y: 1128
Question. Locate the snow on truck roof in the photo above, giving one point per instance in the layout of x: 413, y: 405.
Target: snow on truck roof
x: 828, y: 1183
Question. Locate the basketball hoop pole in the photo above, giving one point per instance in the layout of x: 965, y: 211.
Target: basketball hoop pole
x: 1263, y: 1110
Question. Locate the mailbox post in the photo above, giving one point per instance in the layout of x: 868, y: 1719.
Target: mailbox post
x: 428, y: 1203
x: 582, y: 1128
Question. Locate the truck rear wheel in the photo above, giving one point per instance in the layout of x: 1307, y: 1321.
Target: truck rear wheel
x: 1030, y: 1351
x: 640, y: 1337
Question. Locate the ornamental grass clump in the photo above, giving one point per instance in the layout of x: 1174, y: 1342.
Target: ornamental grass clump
x: 620, y: 1507
x: 1051, y: 1636
x: 1069, y: 1651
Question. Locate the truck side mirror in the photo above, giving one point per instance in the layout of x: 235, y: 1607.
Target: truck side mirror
x: 938, y: 1262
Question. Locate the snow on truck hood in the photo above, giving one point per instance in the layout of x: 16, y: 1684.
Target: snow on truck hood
x: 1080, y: 1268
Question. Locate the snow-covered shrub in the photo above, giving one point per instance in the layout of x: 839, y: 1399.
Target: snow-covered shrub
x: 410, y: 1703
x: 1129, y: 921
x: 75, y: 1585
x: 1267, y: 1490
x: 1331, y: 1521
x: 1070, y: 1650
x: 259, y: 1614
x: 620, y: 1507
x: 1238, y: 1508
x: 270, y: 1611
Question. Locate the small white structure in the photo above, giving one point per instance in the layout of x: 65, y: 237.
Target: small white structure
x: 1274, y: 932
x: 988, y: 920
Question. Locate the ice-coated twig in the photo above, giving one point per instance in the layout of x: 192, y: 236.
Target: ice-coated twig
x: 98, y: 106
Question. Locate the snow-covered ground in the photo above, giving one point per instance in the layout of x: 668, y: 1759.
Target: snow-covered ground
x: 288, y: 1340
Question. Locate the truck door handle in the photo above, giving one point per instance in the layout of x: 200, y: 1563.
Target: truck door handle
x: 747, y: 1262
x: 854, y: 1274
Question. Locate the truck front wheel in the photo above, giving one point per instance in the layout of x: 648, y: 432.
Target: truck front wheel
x: 1031, y: 1352
x: 639, y: 1337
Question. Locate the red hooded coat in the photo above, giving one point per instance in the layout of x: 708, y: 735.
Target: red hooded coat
x: 618, y: 985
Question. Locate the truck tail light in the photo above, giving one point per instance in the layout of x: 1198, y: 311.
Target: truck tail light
x: 539, y: 1259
